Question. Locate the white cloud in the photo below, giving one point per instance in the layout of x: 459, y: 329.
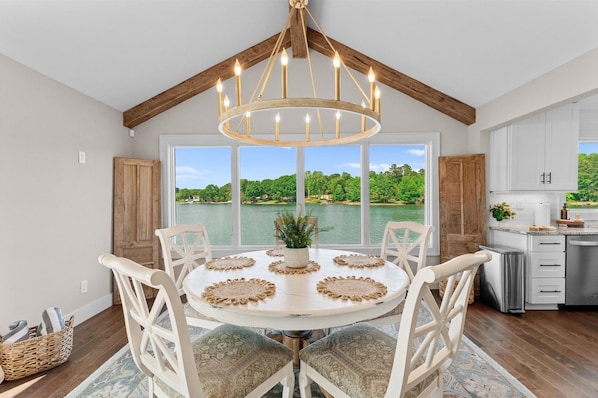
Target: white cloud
x: 379, y: 168
x: 187, y: 173
x: 353, y: 165
x: 417, y: 152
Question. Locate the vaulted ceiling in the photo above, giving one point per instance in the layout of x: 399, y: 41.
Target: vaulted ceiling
x: 143, y: 56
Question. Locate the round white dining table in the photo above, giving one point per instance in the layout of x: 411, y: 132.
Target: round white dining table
x: 296, y: 303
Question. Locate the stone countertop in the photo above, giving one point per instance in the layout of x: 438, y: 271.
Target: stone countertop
x: 524, y: 230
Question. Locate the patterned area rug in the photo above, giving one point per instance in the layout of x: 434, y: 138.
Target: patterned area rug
x: 472, y: 374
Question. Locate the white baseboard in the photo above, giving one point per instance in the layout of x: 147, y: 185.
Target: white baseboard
x: 84, y: 313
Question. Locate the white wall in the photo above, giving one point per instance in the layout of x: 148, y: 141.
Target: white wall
x: 56, y: 214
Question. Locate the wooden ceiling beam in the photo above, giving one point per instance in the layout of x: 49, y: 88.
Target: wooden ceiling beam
x: 394, y: 79
x: 261, y: 51
x: 200, y: 82
x: 298, y: 44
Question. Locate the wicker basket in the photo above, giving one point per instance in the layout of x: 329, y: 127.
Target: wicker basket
x: 442, y: 288
x: 36, y: 354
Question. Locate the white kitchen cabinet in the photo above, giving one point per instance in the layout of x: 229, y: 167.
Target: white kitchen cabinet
x: 499, y: 158
x: 544, y: 266
x: 546, y: 278
x: 536, y: 154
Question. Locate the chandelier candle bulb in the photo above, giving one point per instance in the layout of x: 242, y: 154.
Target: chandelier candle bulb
x: 372, y: 80
x: 338, y: 124
x: 226, y: 104
x: 248, y: 123
x: 363, y: 118
x: 238, y: 75
x: 284, y: 61
x: 337, y: 76
x: 277, y: 126
x: 307, y: 127
x: 219, y: 90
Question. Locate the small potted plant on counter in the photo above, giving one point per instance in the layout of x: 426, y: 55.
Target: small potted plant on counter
x: 502, y: 211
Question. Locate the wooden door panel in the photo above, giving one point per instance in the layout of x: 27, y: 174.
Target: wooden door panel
x: 462, y: 182
x: 462, y: 204
x: 137, y: 212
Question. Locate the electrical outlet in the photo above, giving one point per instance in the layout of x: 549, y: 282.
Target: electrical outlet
x: 84, y: 286
x: 81, y: 157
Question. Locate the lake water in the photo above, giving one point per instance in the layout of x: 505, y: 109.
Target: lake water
x: 257, y: 221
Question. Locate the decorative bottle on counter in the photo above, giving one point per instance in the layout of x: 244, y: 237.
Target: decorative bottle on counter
x: 564, y: 212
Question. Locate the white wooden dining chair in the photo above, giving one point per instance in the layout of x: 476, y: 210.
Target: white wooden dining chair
x: 405, y: 243
x: 228, y: 361
x: 184, y: 248
x: 362, y: 361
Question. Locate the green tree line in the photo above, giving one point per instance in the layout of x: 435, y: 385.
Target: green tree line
x: 399, y: 184
x: 587, y: 179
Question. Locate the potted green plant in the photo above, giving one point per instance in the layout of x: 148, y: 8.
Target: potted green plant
x: 502, y: 211
x: 296, y: 231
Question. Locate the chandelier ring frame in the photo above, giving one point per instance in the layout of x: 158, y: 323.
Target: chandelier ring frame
x: 299, y: 103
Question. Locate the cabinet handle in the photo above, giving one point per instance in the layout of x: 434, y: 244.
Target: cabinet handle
x: 550, y: 291
x: 550, y: 178
x: 543, y: 178
x: 550, y: 243
x: 583, y: 243
x: 550, y: 265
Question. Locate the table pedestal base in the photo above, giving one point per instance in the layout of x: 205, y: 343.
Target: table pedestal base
x: 296, y: 340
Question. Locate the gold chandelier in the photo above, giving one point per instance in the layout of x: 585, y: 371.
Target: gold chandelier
x: 287, y: 121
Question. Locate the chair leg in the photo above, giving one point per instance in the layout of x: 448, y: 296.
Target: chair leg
x: 304, y: 385
x: 150, y: 387
x: 288, y: 385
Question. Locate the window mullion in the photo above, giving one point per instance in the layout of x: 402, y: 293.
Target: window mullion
x: 300, y: 178
x: 365, y: 194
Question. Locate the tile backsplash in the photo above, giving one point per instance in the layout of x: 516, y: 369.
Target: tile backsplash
x: 525, y: 203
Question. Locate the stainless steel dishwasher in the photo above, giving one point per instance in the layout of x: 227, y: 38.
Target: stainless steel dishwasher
x: 581, y: 283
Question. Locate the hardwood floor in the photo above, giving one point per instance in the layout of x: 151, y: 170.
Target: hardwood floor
x: 553, y: 353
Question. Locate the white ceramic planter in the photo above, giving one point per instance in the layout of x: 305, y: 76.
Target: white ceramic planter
x: 296, y: 258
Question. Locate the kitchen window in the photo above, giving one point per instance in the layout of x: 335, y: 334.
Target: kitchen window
x: 584, y: 202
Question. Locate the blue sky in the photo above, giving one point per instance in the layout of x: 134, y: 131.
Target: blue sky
x: 197, y: 167
x: 588, y: 147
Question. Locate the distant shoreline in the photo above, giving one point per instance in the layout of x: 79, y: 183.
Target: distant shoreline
x: 323, y: 203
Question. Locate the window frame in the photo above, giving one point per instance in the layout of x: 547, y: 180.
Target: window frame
x: 431, y: 142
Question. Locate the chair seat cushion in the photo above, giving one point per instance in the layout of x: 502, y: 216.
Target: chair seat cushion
x: 232, y: 361
x: 358, y: 360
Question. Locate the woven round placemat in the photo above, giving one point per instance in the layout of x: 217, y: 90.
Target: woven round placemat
x: 359, y: 260
x: 276, y: 252
x: 228, y: 263
x: 352, y: 288
x: 238, y: 291
x: 280, y: 268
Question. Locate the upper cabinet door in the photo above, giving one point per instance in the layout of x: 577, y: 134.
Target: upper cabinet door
x: 562, y: 142
x: 537, y: 154
x: 527, y: 149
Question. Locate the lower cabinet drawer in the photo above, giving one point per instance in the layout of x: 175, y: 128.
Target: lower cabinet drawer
x: 547, y: 291
x: 547, y: 265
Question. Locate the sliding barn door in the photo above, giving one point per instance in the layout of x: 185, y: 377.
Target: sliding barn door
x: 137, y: 213
x: 462, y: 181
